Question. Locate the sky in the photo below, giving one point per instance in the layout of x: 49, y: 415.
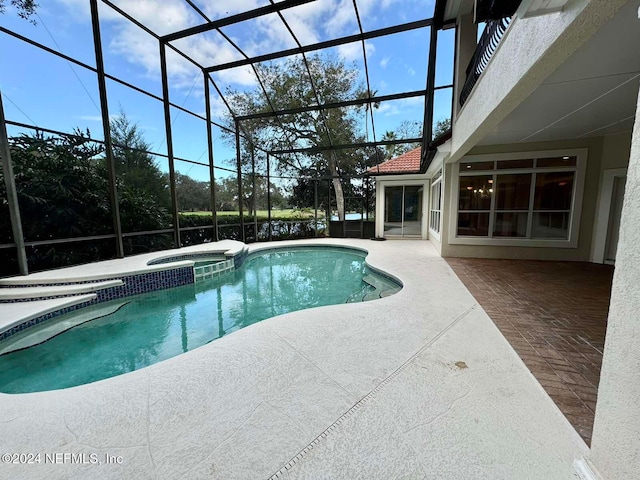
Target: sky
x: 43, y: 90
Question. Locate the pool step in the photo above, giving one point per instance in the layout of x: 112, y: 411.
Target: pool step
x: 47, y: 330
x: 382, y: 288
x: 22, y: 294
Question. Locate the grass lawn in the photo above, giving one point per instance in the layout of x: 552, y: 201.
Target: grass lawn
x: 288, y: 214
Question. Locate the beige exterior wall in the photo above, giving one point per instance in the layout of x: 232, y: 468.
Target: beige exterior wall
x: 436, y: 244
x: 615, y: 445
x: 603, y: 152
x: 615, y: 151
x: 531, y: 49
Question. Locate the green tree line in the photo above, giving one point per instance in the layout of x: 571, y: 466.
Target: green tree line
x: 63, y: 192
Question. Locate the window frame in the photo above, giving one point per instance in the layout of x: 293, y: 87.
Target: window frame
x: 575, y: 212
x: 436, y: 182
x: 383, y: 183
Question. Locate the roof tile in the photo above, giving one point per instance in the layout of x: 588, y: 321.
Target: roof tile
x: 408, y: 162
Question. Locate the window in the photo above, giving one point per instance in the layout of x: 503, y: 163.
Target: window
x: 436, y: 203
x: 474, y: 204
x: 512, y: 198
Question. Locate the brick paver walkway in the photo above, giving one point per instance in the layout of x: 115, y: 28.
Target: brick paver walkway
x: 554, y: 314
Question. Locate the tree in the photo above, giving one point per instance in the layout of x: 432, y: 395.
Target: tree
x: 134, y: 165
x: 226, y: 194
x: 287, y: 85
x: 62, y: 193
x: 406, y: 129
x: 277, y: 199
x: 145, y: 198
x: 193, y: 195
x: 442, y: 126
x: 61, y: 186
x: 25, y: 8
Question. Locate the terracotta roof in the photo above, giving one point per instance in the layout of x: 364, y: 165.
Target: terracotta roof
x: 406, y: 163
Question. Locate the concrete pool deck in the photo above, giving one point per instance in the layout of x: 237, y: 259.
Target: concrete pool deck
x: 420, y: 385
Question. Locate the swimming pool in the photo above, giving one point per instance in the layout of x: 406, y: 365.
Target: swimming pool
x: 123, y: 335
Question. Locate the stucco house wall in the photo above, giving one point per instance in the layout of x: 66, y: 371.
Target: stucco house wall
x: 603, y: 152
x: 615, y: 448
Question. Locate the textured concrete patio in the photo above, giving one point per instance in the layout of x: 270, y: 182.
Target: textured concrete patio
x: 417, y: 385
x: 554, y: 314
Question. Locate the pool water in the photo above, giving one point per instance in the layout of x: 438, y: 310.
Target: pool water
x: 112, y: 338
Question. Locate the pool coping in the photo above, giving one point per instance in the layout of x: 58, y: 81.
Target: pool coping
x: 318, y: 393
x: 103, y: 277
x: 133, y: 265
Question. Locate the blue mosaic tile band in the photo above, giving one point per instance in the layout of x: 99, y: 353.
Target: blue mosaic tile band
x: 36, y: 321
x: 133, y: 285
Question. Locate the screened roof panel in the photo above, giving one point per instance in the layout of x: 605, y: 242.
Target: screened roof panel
x: 395, y: 63
x: 160, y: 16
x: 321, y: 20
x: 390, y: 115
x: 301, y: 93
x: 376, y: 14
x: 446, y: 49
x: 261, y: 35
x: 398, y: 62
x: 209, y: 48
x: 72, y: 101
x: 216, y: 9
x: 69, y: 35
x: 351, y: 55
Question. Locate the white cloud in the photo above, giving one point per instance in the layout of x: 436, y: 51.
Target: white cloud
x: 311, y: 23
x: 388, y: 109
x: 342, y: 18
x: 397, y: 107
x: 353, y: 51
x: 384, y: 62
x: 216, y: 9
x: 160, y: 16
x: 411, y: 71
x: 218, y: 108
x: 243, y: 76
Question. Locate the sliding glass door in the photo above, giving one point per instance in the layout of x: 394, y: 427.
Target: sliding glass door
x: 403, y: 211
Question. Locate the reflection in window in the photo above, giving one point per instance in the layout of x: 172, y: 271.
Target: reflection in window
x: 510, y: 224
x: 550, y: 225
x: 513, y: 191
x: 475, y: 192
x: 528, y: 200
x: 473, y: 224
x: 553, y: 191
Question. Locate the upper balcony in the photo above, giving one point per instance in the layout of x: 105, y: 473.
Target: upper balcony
x: 545, y: 76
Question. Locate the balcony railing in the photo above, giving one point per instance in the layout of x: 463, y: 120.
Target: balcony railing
x: 489, y: 40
